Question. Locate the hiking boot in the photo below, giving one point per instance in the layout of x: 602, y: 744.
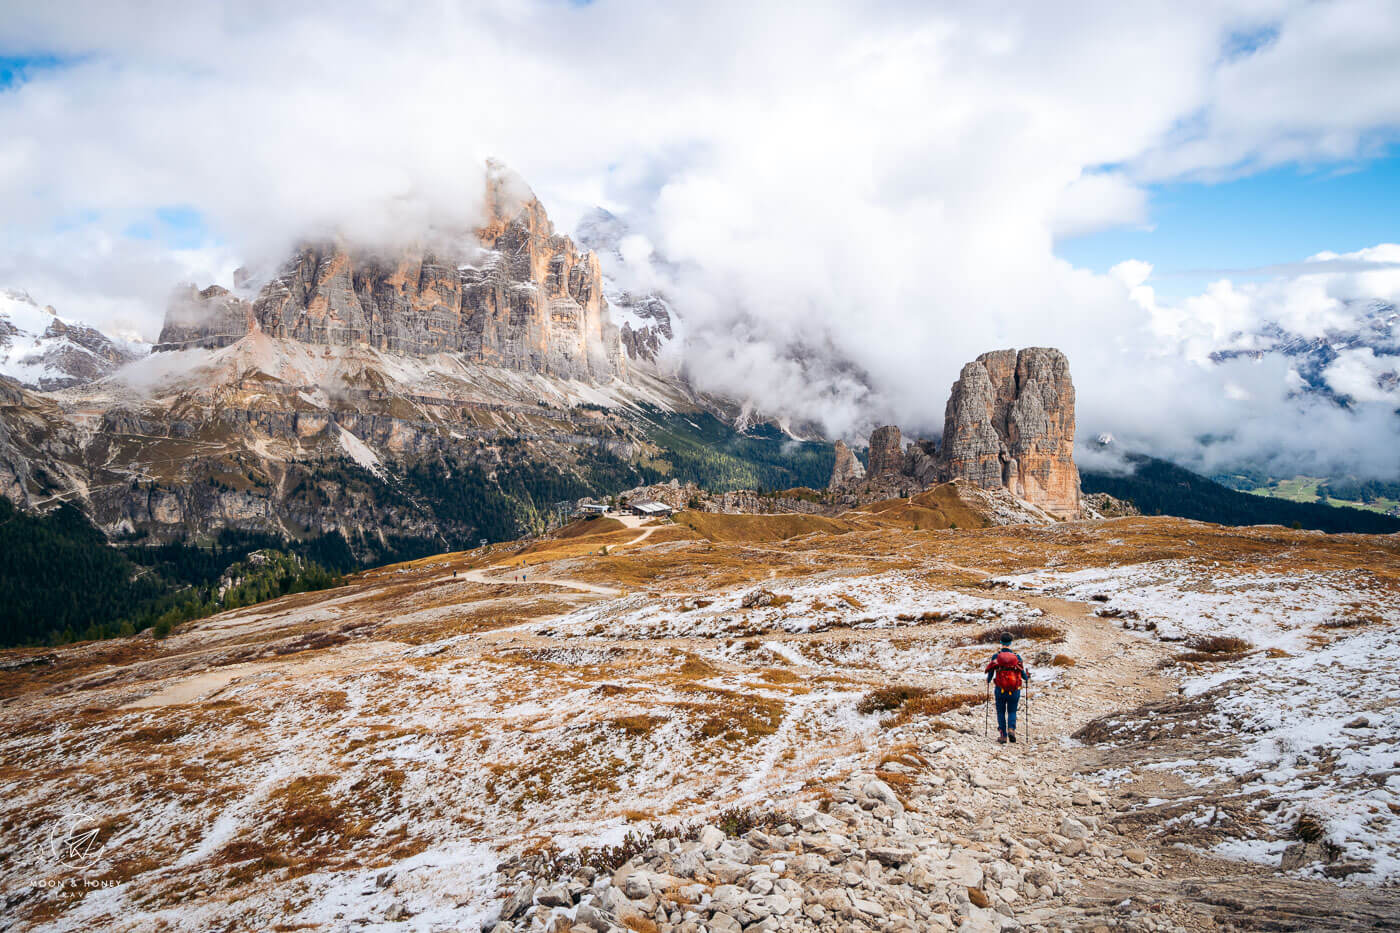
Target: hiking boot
x: 1011, y: 736
x: 1001, y: 739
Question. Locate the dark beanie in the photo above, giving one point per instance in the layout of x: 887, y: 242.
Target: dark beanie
x: 1006, y: 638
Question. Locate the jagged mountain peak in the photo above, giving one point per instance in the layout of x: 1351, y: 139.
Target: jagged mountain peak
x: 648, y: 321
x: 41, y: 350
x: 512, y: 293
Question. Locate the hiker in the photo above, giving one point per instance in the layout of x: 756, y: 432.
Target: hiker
x: 1009, y: 673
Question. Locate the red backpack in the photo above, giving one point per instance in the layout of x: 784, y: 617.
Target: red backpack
x: 1008, y: 671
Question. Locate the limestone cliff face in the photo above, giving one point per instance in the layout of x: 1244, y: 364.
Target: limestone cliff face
x: 1010, y: 423
x: 886, y: 452
x: 847, y: 469
x: 515, y: 295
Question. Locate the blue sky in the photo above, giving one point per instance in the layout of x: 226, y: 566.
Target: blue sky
x: 16, y: 69
x: 1200, y: 232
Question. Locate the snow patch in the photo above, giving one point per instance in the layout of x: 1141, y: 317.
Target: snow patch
x: 359, y: 451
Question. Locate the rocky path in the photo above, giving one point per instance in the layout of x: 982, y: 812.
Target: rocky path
x: 944, y: 829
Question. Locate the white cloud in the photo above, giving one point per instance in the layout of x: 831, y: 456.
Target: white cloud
x: 853, y: 199
x: 1099, y: 201
x: 1359, y: 374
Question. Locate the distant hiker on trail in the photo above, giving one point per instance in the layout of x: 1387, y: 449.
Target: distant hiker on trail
x: 1009, y: 672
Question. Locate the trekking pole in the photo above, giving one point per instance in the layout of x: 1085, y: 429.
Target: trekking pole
x: 1028, y: 711
x: 987, y: 712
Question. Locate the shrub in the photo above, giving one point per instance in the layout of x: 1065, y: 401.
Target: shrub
x: 550, y: 861
x: 908, y: 702
x: 1218, y: 644
x: 1036, y: 630
x: 1309, y: 828
x: 1202, y: 657
x: 736, y: 821
x: 931, y: 705
x: 1062, y: 660
x: 889, y: 698
x: 1351, y: 621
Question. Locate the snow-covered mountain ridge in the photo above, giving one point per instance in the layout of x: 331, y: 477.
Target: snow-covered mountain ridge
x: 42, y: 350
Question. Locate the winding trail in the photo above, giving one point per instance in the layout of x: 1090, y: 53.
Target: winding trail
x: 479, y: 576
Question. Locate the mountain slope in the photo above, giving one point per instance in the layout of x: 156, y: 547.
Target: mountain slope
x: 1160, y: 488
x: 462, y: 385
x: 1363, y: 336
x: 421, y: 747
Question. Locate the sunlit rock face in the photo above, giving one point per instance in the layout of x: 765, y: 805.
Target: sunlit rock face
x: 847, y: 469
x: 1010, y: 423
x: 886, y: 452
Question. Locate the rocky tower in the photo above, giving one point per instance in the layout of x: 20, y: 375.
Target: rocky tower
x: 1010, y: 423
x: 515, y: 295
x: 886, y: 452
x: 211, y: 318
x: 847, y: 469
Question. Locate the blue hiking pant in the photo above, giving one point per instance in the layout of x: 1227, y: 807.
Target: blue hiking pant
x: 1007, y: 701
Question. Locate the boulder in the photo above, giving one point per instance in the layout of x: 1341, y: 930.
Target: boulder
x: 1072, y: 828
x: 881, y: 792
x: 519, y: 902
x: 757, y: 598
x: 711, y: 837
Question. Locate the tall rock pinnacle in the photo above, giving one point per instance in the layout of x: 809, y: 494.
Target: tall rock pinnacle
x: 847, y: 469
x: 886, y: 452
x: 1010, y: 423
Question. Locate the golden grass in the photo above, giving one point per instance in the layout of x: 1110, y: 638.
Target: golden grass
x: 697, y: 668
x: 904, y: 753
x: 931, y: 705
x: 936, y: 509
x: 1062, y: 660
x: 738, y: 718
x: 548, y: 549
x: 730, y: 529
x: 638, y: 725
x: 585, y: 527
x: 896, y: 779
